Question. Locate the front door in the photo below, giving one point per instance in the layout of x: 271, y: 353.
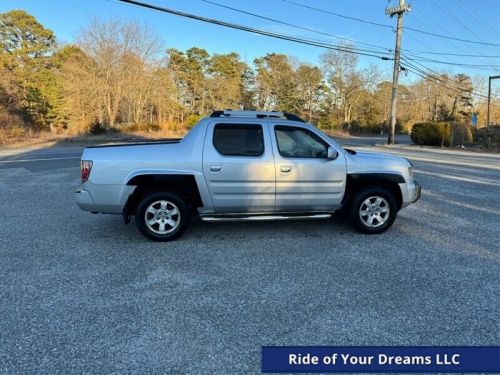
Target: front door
x: 306, y: 180
x: 238, y: 166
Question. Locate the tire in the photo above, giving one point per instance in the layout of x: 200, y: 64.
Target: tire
x: 162, y: 216
x: 381, y: 213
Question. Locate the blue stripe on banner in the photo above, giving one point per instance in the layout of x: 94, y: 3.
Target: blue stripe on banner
x: 471, y: 359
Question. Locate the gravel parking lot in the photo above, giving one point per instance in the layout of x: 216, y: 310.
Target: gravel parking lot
x: 85, y: 293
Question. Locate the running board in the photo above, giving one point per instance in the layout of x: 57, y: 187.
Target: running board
x: 264, y: 217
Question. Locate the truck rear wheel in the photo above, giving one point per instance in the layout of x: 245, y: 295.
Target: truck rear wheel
x: 162, y: 216
x: 373, y: 210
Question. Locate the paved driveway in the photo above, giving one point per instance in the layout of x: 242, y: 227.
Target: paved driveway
x: 84, y: 293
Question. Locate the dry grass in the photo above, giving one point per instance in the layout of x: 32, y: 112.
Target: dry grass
x: 22, y: 137
x: 18, y: 136
x: 338, y: 133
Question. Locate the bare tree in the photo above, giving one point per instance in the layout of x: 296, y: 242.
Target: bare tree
x: 345, y: 81
x: 122, y: 53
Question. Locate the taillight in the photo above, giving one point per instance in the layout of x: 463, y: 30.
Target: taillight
x: 85, y: 168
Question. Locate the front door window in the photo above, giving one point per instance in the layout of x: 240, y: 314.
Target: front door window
x: 296, y: 142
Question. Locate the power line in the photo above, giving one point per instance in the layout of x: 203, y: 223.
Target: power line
x: 250, y: 29
x: 405, y: 57
x: 457, y: 19
x: 424, y: 76
x: 335, y: 36
x: 291, y: 25
x: 435, y: 75
x: 450, y: 54
x: 422, y: 73
x: 324, y: 33
x: 451, y: 37
x: 429, y: 21
x: 474, y: 15
x: 462, y: 24
x: 455, y: 64
x: 339, y: 15
x: 388, y: 26
x: 427, y: 69
x: 433, y: 51
x: 438, y: 80
x: 420, y: 15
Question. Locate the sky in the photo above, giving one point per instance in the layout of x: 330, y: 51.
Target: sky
x: 463, y: 19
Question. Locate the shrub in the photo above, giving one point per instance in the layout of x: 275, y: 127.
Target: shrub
x: 356, y: 128
x: 97, y: 128
x: 133, y: 128
x: 431, y: 133
x: 488, y: 137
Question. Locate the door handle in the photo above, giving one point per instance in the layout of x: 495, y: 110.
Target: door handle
x: 286, y: 168
x: 215, y: 168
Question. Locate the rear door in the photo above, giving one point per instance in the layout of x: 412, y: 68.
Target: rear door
x: 306, y: 180
x: 238, y: 165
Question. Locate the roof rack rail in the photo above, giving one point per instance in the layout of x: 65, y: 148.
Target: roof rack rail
x: 257, y: 114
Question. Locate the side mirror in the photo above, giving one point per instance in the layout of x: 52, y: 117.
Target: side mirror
x: 332, y: 153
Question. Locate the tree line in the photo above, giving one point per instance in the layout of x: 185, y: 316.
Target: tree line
x: 118, y: 74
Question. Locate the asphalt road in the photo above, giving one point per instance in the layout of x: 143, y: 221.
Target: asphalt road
x: 83, y: 293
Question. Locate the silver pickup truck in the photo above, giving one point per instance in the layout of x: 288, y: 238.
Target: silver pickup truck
x: 244, y: 165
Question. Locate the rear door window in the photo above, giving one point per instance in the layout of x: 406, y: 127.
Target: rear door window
x: 238, y: 139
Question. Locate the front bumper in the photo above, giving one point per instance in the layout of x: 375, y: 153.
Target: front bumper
x: 418, y: 191
x: 410, y: 193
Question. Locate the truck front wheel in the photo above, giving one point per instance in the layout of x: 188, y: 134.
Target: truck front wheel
x: 161, y: 216
x: 373, y: 210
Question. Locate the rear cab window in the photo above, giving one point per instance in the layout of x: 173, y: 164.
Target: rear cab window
x: 238, y: 139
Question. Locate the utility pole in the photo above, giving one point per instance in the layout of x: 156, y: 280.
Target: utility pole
x: 399, y: 10
x: 489, y: 99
